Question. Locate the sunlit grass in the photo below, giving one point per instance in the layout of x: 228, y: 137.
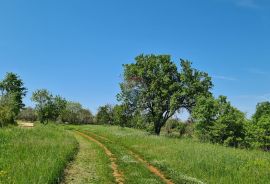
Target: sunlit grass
x: 35, y: 155
x: 185, y: 160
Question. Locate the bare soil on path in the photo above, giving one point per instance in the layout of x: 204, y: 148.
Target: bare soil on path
x: 150, y: 167
x: 119, y: 178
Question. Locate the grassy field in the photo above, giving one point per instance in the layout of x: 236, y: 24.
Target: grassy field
x: 89, y: 166
x: 35, y: 155
x: 40, y: 155
x: 183, y: 161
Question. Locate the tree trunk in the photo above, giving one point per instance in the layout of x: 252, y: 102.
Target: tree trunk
x: 157, y: 128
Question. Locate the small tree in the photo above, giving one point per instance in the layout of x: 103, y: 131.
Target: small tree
x: 12, y: 91
x: 85, y: 117
x: 44, y: 105
x: 12, y: 84
x: 105, y: 115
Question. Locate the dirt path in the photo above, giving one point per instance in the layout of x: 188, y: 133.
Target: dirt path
x: 119, y: 178
x: 26, y: 125
x: 150, y: 167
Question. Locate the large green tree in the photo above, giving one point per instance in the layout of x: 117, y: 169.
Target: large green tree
x: 154, y: 86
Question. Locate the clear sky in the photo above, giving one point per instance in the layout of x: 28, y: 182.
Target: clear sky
x: 76, y: 48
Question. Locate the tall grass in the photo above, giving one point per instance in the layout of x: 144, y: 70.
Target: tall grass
x: 186, y: 160
x: 37, y: 155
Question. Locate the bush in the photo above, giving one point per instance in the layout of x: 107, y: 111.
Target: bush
x: 171, y: 125
x: 27, y: 114
x: 217, y: 121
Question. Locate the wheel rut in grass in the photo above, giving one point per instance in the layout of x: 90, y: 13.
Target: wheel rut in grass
x: 119, y: 178
x: 150, y: 167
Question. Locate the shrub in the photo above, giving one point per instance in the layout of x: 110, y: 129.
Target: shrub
x: 217, y: 121
x: 172, y: 125
x: 27, y: 114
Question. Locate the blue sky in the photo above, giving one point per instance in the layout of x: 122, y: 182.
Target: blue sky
x: 76, y: 48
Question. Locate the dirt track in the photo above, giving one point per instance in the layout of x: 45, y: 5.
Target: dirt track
x: 150, y: 167
x: 119, y: 178
x: 26, y: 125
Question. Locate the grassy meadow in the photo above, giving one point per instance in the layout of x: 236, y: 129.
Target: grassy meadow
x: 89, y: 166
x: 35, y: 155
x: 182, y: 160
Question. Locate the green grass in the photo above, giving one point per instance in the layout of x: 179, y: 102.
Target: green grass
x: 35, y: 155
x: 134, y: 172
x: 184, y: 160
x: 91, y: 165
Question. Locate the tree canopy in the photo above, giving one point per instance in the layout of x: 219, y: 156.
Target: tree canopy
x: 154, y: 86
x: 12, y: 91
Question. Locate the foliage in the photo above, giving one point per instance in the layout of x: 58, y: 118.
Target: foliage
x: 58, y: 106
x: 258, y: 129
x: 262, y: 109
x: 74, y: 113
x: 105, y: 115
x: 154, y: 86
x: 219, y: 122
x: 7, y: 112
x: 44, y: 104
x: 176, y: 126
x: 12, y: 91
x: 139, y: 121
x: 171, y: 125
x: 27, y: 114
x: 13, y: 85
x: 48, y: 107
x: 121, y: 116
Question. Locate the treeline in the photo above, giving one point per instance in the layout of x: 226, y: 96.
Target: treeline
x: 48, y: 107
x: 154, y: 89
x: 55, y: 108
